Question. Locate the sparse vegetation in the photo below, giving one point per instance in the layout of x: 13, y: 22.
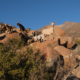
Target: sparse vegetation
x: 77, y: 42
x: 22, y: 66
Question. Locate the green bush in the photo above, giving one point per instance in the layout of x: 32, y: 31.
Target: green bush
x: 22, y: 66
x: 16, y: 44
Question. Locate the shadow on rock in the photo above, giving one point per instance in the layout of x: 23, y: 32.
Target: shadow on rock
x: 1, y: 43
x: 65, y: 44
x: 73, y: 78
x: 74, y: 47
x: 14, y: 31
x: 2, y: 37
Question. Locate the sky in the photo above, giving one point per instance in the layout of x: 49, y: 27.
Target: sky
x: 35, y: 14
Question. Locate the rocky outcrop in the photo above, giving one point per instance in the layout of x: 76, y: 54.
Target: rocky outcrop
x: 76, y: 72
x: 17, y: 36
x: 70, y: 41
x: 67, y: 55
x: 59, y: 32
x: 48, y: 53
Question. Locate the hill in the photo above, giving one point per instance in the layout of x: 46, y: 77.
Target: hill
x: 74, y: 30
x: 66, y: 25
x: 27, y: 56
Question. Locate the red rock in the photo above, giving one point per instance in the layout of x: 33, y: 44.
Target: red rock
x: 47, y: 50
x: 58, y: 31
x: 70, y: 40
x: 10, y: 36
x: 67, y: 55
x: 76, y: 72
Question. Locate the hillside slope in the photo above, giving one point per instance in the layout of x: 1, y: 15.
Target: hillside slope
x: 74, y: 30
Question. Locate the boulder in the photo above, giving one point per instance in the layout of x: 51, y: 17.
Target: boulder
x: 67, y: 55
x: 52, y: 56
x: 70, y: 40
x: 59, y: 32
x: 63, y: 40
x: 11, y: 36
x: 76, y: 72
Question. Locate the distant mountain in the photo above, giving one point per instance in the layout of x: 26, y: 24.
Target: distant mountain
x: 71, y: 28
x: 74, y: 30
x: 66, y: 25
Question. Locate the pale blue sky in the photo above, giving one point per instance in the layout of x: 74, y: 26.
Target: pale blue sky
x: 35, y: 14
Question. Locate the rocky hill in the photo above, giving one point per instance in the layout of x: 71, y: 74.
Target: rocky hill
x: 74, y: 30
x: 66, y: 25
x: 59, y: 51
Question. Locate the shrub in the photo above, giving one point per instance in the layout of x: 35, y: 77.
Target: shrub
x: 22, y: 66
x: 15, y: 43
